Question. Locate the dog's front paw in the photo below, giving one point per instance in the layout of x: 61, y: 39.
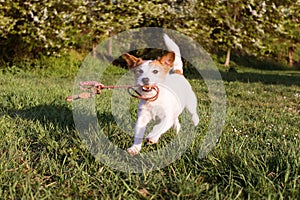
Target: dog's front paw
x: 134, y: 150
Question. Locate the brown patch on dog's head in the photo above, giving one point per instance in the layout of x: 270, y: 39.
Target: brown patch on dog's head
x: 166, y: 61
x: 154, y: 71
x: 132, y: 61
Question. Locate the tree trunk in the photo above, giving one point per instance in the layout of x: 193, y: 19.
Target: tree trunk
x: 109, y: 47
x: 227, y: 62
x: 292, y: 50
x: 94, y: 50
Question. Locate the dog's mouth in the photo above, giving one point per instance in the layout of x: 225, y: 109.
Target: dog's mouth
x: 144, y: 92
x: 147, y: 88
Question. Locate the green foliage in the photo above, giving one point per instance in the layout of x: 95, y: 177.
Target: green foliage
x: 65, y: 65
x: 34, y: 28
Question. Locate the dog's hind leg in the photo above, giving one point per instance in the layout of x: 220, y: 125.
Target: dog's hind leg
x: 176, y: 125
x: 192, y: 108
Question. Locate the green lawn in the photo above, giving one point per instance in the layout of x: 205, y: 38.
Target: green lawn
x: 257, y: 156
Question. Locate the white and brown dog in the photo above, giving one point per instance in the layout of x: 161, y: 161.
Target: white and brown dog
x: 175, y: 94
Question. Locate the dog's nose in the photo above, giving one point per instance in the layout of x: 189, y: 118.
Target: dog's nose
x: 145, y: 81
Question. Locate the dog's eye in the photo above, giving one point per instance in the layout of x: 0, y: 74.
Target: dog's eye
x: 140, y: 71
x: 155, y: 71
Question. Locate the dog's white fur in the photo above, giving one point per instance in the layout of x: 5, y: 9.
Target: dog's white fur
x: 175, y: 94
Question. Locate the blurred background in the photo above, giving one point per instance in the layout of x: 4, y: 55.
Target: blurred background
x: 253, y: 33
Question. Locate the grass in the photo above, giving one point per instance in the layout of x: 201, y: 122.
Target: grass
x: 257, y: 156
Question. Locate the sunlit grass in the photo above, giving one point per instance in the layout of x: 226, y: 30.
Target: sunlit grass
x: 257, y: 156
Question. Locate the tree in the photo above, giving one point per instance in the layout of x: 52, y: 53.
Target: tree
x: 29, y: 29
x: 32, y: 28
x: 110, y: 17
x: 290, y: 31
x: 236, y: 24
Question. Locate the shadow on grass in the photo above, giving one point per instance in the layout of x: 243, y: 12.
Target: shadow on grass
x: 287, y: 78
x: 50, y: 136
x: 59, y: 115
x: 255, y: 62
x: 272, y: 72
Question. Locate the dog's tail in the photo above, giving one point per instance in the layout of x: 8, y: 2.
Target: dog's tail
x: 172, y: 46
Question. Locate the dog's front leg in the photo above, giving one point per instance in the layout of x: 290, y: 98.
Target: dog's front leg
x: 163, y: 126
x: 143, y: 119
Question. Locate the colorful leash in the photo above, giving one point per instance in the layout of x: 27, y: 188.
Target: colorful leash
x: 94, y: 87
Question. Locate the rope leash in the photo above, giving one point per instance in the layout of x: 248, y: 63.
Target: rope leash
x: 94, y: 87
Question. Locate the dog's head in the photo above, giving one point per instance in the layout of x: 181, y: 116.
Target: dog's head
x: 150, y: 72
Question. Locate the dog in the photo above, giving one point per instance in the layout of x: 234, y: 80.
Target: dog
x: 175, y: 94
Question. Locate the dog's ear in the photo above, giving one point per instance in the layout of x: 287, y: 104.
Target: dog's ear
x: 167, y: 59
x: 132, y: 61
